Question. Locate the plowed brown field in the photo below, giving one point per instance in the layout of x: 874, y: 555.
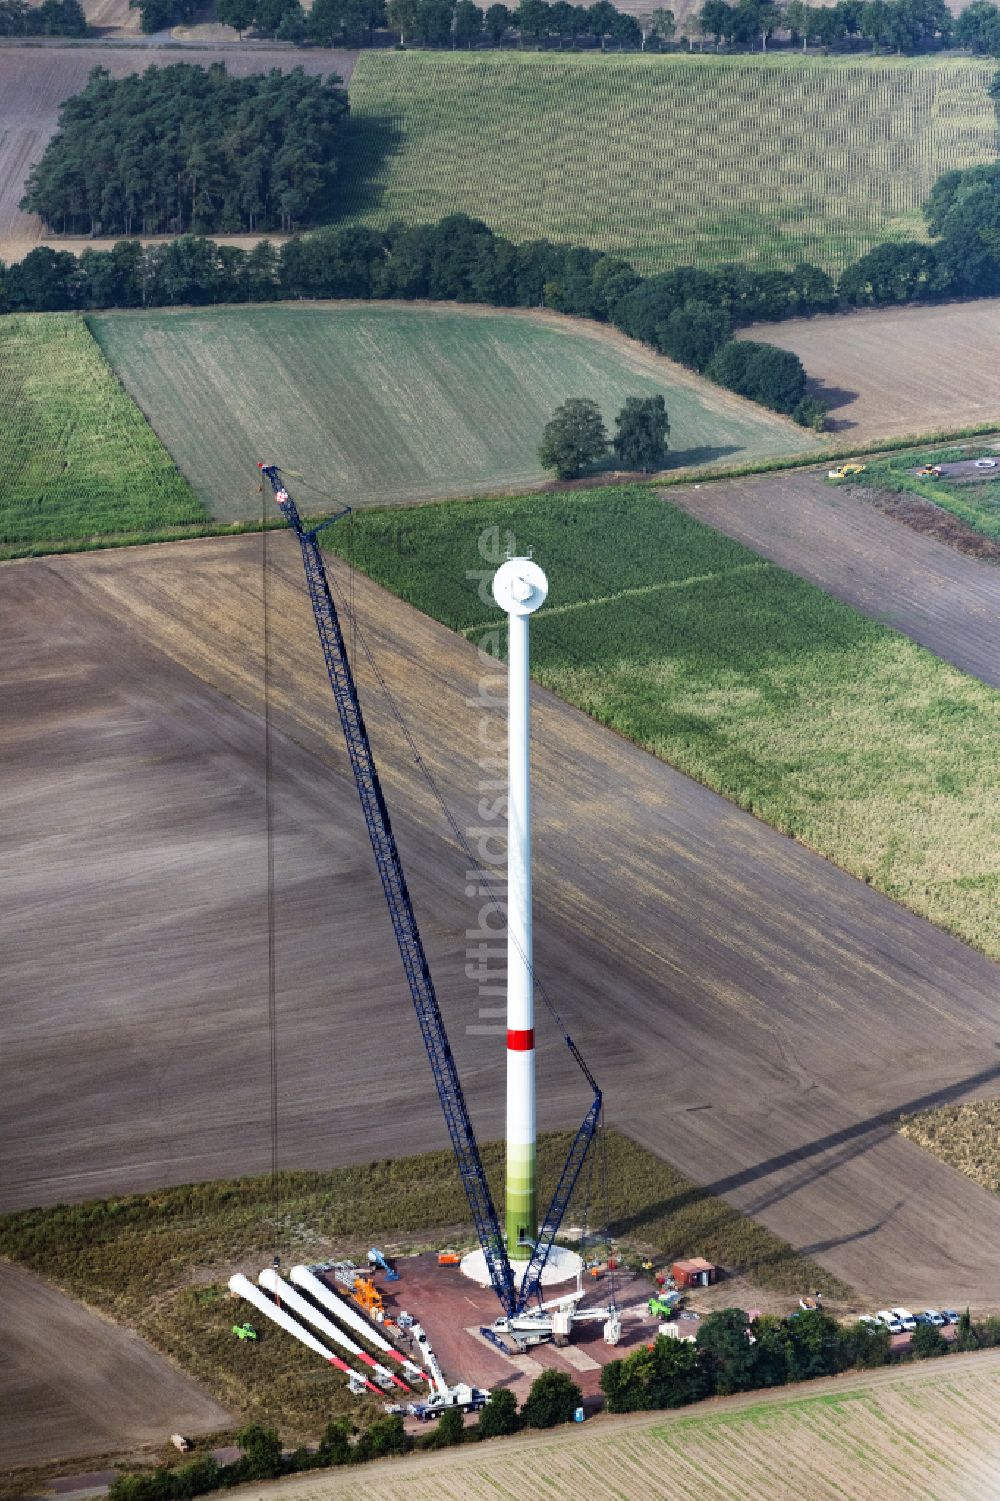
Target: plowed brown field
x: 34, y: 81
x: 899, y: 371
x: 756, y: 1016
x: 73, y: 1384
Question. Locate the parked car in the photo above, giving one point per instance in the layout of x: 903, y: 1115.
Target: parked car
x: 904, y: 1317
x: 986, y: 463
x: 922, y: 1318
x: 888, y: 1318
x: 933, y: 1317
x: 949, y: 1315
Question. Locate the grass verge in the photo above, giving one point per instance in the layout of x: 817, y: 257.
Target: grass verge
x: 978, y: 504
x: 827, y: 725
x: 159, y: 1262
x: 78, y: 461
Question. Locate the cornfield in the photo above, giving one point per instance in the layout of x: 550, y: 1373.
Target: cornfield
x: 668, y: 160
x: 77, y: 458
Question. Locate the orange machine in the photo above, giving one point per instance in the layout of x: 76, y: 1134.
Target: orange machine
x: 367, y: 1295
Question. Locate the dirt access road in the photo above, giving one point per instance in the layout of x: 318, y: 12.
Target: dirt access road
x: 756, y: 1016
x: 73, y: 1384
x: 34, y: 81
x: 828, y: 535
x: 895, y: 371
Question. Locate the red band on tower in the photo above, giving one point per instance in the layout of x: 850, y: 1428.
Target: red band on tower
x: 520, y: 1042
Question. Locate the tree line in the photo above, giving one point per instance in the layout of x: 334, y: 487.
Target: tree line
x: 553, y: 1399
x: 897, y: 25
x: 732, y: 1353
x: 688, y: 314
x: 51, y: 18
x: 190, y: 149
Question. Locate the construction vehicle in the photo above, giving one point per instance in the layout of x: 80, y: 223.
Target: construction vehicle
x: 513, y: 1298
x: 929, y: 471
x: 368, y: 1298
x: 663, y: 1305
x: 443, y: 1397
x: 845, y: 471
x: 245, y: 1331
x: 449, y: 1258
x: 378, y: 1261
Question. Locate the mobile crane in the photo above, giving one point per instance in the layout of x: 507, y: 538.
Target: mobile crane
x: 513, y: 1299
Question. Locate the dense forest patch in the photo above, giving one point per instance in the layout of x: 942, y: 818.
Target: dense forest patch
x: 186, y: 148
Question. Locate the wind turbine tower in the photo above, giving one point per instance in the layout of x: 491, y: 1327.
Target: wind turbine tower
x: 519, y: 588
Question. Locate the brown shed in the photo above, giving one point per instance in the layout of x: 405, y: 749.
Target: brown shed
x: 695, y: 1272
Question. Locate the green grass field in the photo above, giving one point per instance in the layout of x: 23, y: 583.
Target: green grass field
x: 827, y: 725
x: 668, y: 160
x: 978, y: 505
x: 159, y: 1262
x: 78, y: 461
x: 396, y: 403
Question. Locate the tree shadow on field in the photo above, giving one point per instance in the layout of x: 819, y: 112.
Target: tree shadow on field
x: 833, y: 397
x: 367, y: 144
x: 847, y: 1143
x: 705, y: 453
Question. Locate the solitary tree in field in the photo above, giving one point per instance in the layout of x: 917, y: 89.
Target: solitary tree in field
x: 573, y: 438
x: 641, y: 439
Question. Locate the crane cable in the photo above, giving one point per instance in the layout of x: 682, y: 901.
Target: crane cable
x: 272, y: 1010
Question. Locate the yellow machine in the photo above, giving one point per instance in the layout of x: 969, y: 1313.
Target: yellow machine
x: 845, y: 471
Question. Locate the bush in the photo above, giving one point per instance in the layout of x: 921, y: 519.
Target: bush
x: 553, y: 1399
x: 499, y: 1416
x: 927, y: 1341
x: 670, y: 1373
x: 810, y: 412
x: 774, y: 377
x: 261, y: 1452
x: 383, y: 1437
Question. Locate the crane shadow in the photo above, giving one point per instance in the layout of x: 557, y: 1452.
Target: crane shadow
x: 853, y: 1141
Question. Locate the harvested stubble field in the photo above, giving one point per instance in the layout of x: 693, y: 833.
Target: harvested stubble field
x: 673, y: 159
x: 158, y: 1263
x: 967, y: 1137
x: 927, y: 1433
x: 464, y: 393
x: 78, y: 460
x: 825, y: 724
x: 756, y: 1016
x: 893, y: 371
x: 34, y: 81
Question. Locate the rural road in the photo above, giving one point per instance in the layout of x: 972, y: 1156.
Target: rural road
x: 755, y: 1015
x: 84, y: 1386
x: 943, y: 600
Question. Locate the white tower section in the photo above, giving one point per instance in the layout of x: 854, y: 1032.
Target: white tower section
x: 519, y: 588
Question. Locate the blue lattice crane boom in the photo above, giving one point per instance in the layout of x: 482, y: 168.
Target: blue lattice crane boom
x: 411, y: 948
